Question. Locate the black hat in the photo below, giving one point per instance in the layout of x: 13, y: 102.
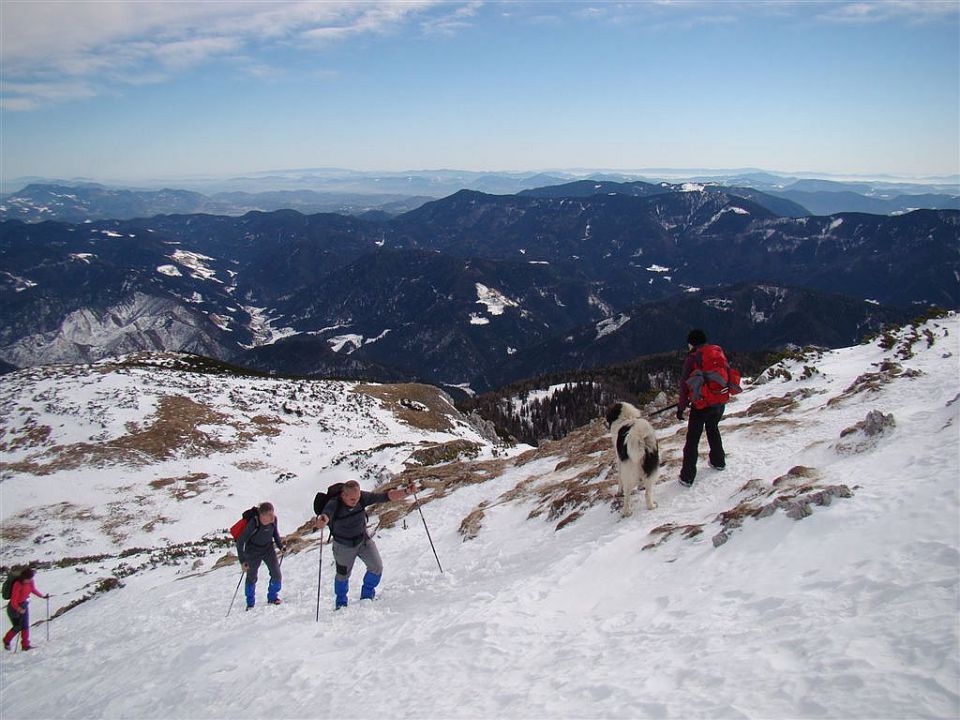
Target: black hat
x: 697, y: 337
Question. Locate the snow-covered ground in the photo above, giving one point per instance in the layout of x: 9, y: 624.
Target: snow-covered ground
x: 851, y: 611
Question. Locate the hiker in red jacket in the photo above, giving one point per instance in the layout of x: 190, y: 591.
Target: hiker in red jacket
x: 705, y: 412
x: 18, y: 609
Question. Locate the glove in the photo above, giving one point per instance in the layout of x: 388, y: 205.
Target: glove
x: 283, y: 548
x: 679, y: 413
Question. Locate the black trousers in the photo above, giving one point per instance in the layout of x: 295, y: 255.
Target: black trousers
x: 709, y: 419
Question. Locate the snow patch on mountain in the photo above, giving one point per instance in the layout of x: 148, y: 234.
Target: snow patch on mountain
x: 611, y: 325
x: 169, y: 270
x: 348, y: 342
x: 139, y: 323
x: 262, y: 327
x: 196, y: 263
x: 494, y: 300
x: 724, y: 304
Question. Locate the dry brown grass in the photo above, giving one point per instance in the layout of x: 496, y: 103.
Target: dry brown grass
x: 251, y: 465
x: 439, y: 412
x: 13, y: 531
x: 173, y: 429
x: 29, y: 435
x: 445, y: 453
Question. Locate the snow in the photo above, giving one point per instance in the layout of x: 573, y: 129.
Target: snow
x: 139, y: 322
x: 657, y: 268
x: 724, y: 304
x: 836, y: 223
x: 196, y: 263
x: 262, y: 327
x: 733, y: 208
x: 111, y: 233
x: 493, y: 299
x: 379, y: 337
x: 221, y: 322
x: 347, y: 342
x: 19, y: 283
x: 691, y: 187
x: 170, y: 270
x: 851, y: 612
x: 603, y: 307
x: 611, y: 325
x: 476, y: 319
x: 82, y: 257
x: 538, y: 262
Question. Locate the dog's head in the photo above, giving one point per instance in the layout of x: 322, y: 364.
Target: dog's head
x: 621, y: 411
x: 613, y: 412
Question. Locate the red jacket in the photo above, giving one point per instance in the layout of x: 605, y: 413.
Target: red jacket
x: 21, y: 592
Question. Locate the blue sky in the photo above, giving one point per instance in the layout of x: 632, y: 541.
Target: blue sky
x: 149, y: 90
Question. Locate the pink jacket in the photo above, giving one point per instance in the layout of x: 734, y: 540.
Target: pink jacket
x: 21, y: 592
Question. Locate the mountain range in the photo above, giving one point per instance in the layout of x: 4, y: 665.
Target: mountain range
x: 473, y: 289
x: 379, y: 196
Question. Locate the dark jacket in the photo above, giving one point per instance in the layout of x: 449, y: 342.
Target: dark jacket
x: 348, y: 525
x: 255, y: 540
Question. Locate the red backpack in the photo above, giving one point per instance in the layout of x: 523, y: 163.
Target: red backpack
x: 712, y: 381
x: 240, y: 525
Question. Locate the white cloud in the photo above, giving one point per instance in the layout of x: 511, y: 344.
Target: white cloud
x: 104, y: 44
x: 881, y: 10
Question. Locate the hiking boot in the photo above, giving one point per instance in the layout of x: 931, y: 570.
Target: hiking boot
x: 249, y: 608
x: 275, y: 601
x: 718, y: 467
x: 27, y: 647
x: 685, y: 483
x: 6, y: 646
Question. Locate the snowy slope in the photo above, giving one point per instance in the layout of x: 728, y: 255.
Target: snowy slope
x: 850, y: 611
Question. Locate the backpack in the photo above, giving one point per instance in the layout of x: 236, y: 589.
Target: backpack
x: 240, y: 525
x: 12, y: 577
x: 712, y: 381
x: 322, y: 498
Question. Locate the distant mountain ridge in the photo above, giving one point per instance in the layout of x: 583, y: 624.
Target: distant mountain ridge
x: 90, y: 202
x: 470, y: 289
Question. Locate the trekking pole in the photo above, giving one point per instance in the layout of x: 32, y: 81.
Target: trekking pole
x: 417, y: 501
x: 242, y: 573
x: 319, y: 574
x: 662, y: 410
x: 48, y: 618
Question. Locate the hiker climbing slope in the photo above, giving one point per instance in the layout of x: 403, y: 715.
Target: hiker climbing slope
x: 18, y: 609
x: 346, y: 514
x: 255, y: 545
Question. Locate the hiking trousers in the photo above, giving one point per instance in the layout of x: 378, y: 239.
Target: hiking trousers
x: 346, y: 555
x: 21, y: 625
x: 268, y: 556
x: 707, y: 419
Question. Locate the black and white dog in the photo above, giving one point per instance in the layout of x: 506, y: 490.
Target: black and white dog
x: 637, y: 452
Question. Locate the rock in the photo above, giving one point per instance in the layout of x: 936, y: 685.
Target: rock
x: 865, y: 434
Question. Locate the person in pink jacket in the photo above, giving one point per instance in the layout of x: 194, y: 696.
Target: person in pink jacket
x: 18, y: 609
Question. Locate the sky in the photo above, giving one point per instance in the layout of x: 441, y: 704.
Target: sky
x: 172, y: 89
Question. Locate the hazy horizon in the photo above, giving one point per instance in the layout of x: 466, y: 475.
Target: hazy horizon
x: 171, y: 90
